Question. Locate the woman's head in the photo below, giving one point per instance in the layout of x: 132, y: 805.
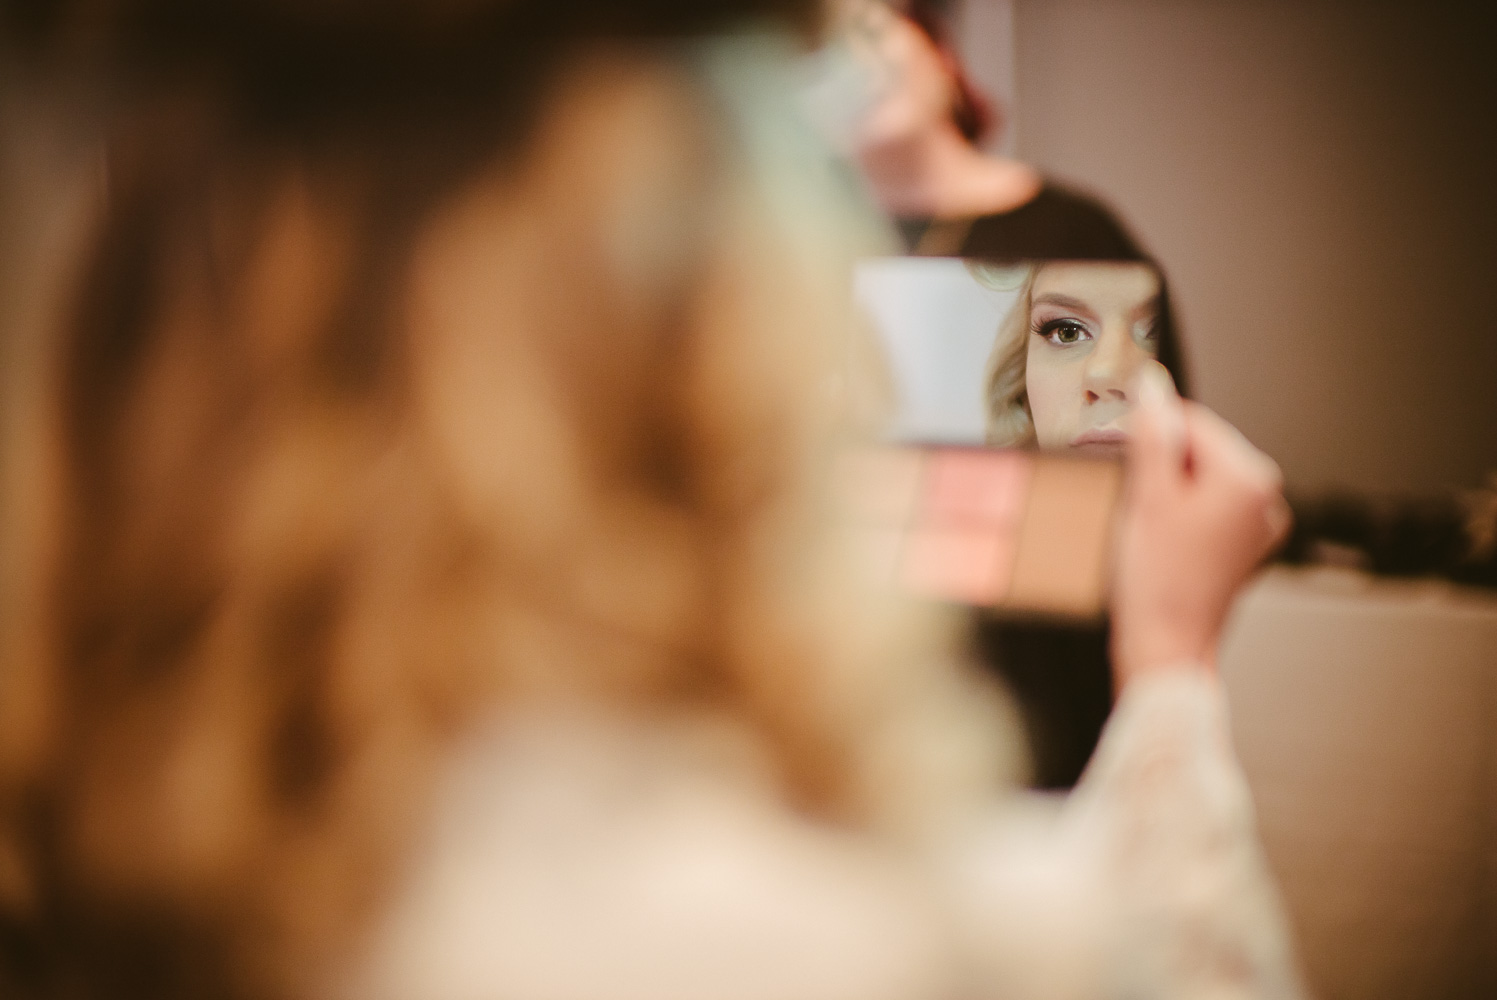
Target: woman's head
x: 356, y: 440
x: 1069, y: 350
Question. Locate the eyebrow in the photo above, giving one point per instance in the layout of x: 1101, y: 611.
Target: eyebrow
x: 1064, y: 301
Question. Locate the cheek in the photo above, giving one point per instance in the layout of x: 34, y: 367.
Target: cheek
x: 1054, y: 387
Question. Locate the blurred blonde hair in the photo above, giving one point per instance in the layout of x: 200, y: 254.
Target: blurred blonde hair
x: 349, y: 449
x: 1009, y: 422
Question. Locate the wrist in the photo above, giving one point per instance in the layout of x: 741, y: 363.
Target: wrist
x: 1161, y: 655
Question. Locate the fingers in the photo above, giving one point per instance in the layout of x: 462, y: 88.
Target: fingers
x: 1227, y: 465
x: 1222, y: 453
x: 1158, y: 435
x: 1204, y: 508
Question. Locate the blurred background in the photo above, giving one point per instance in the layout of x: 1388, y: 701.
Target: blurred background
x: 1319, y: 180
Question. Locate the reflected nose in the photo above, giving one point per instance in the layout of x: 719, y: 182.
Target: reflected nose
x: 1111, y: 367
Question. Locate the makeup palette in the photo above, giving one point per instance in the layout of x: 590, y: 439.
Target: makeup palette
x: 1012, y: 530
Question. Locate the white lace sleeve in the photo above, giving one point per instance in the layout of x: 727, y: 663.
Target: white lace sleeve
x: 1147, y: 881
x: 577, y: 859
x: 1198, y: 914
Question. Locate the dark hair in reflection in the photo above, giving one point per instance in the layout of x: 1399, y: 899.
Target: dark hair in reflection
x: 1171, y: 351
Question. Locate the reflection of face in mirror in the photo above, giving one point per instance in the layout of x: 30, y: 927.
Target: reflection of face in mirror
x: 1076, y: 337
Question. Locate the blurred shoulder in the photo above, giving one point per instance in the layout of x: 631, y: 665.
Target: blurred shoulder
x: 594, y: 857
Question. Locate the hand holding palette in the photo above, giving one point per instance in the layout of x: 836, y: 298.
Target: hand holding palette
x: 986, y: 355
x: 1020, y: 532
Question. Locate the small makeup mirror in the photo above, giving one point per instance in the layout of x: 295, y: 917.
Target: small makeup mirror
x: 1039, y: 353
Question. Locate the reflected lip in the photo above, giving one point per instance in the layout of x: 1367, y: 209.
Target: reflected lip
x: 1107, y: 437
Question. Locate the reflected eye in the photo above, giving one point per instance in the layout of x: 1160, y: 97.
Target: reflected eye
x: 1063, y: 332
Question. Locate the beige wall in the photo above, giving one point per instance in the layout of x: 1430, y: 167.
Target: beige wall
x: 1362, y: 712
x: 1318, y: 179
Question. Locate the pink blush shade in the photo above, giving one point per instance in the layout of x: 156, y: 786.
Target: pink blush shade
x: 971, y: 487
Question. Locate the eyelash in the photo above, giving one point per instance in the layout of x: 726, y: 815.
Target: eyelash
x: 1050, y: 328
